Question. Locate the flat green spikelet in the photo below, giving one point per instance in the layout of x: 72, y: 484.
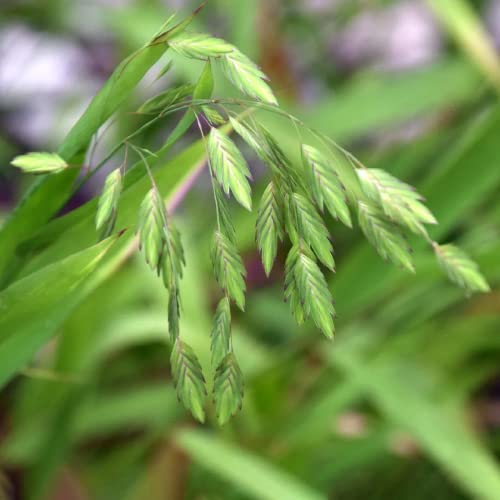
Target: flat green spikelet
x: 200, y: 45
x: 188, y: 379
x: 213, y: 116
x: 224, y: 214
x: 40, y: 163
x: 461, y: 269
x: 253, y: 138
x: 269, y: 227
x: 325, y: 184
x: 310, y: 227
x: 228, y: 389
x: 221, y: 332
x: 385, y: 236
x: 228, y: 268
x: 152, y: 229
x: 307, y: 289
x: 292, y: 294
x: 172, y: 267
x: 176, y: 249
x: 229, y: 167
x: 247, y: 76
x: 398, y: 200
x: 172, y: 260
x: 108, y: 204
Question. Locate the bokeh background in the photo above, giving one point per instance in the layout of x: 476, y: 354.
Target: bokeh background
x: 405, y: 403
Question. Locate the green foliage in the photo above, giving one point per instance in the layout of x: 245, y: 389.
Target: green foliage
x: 228, y: 389
x: 325, y: 184
x: 384, y: 407
x: 464, y: 24
x: 385, y: 236
x: 246, y: 470
x: 229, y: 167
x: 48, y: 195
x: 228, y: 268
x: 270, y: 223
x: 293, y: 205
x: 107, y: 209
x: 460, y: 269
x: 36, y: 305
x: 307, y: 291
x: 188, y: 378
x: 399, y: 201
x: 40, y: 163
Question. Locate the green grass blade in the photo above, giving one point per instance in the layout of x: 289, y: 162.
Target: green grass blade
x: 171, y: 177
x: 440, y: 430
x: 465, y: 26
x: 254, y: 475
x: 32, y: 308
x: 50, y: 193
x: 373, y: 101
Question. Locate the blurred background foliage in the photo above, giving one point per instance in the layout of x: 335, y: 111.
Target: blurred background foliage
x: 405, y: 403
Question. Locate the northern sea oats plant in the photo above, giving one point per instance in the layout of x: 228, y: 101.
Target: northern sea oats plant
x: 292, y: 211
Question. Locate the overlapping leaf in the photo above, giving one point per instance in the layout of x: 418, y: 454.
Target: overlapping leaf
x: 188, y: 378
x: 228, y: 268
x: 306, y: 288
x: 385, y: 236
x: 398, y: 200
x: 229, y: 167
x: 269, y: 227
x: 461, y: 269
x: 228, y: 389
x: 326, y: 186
